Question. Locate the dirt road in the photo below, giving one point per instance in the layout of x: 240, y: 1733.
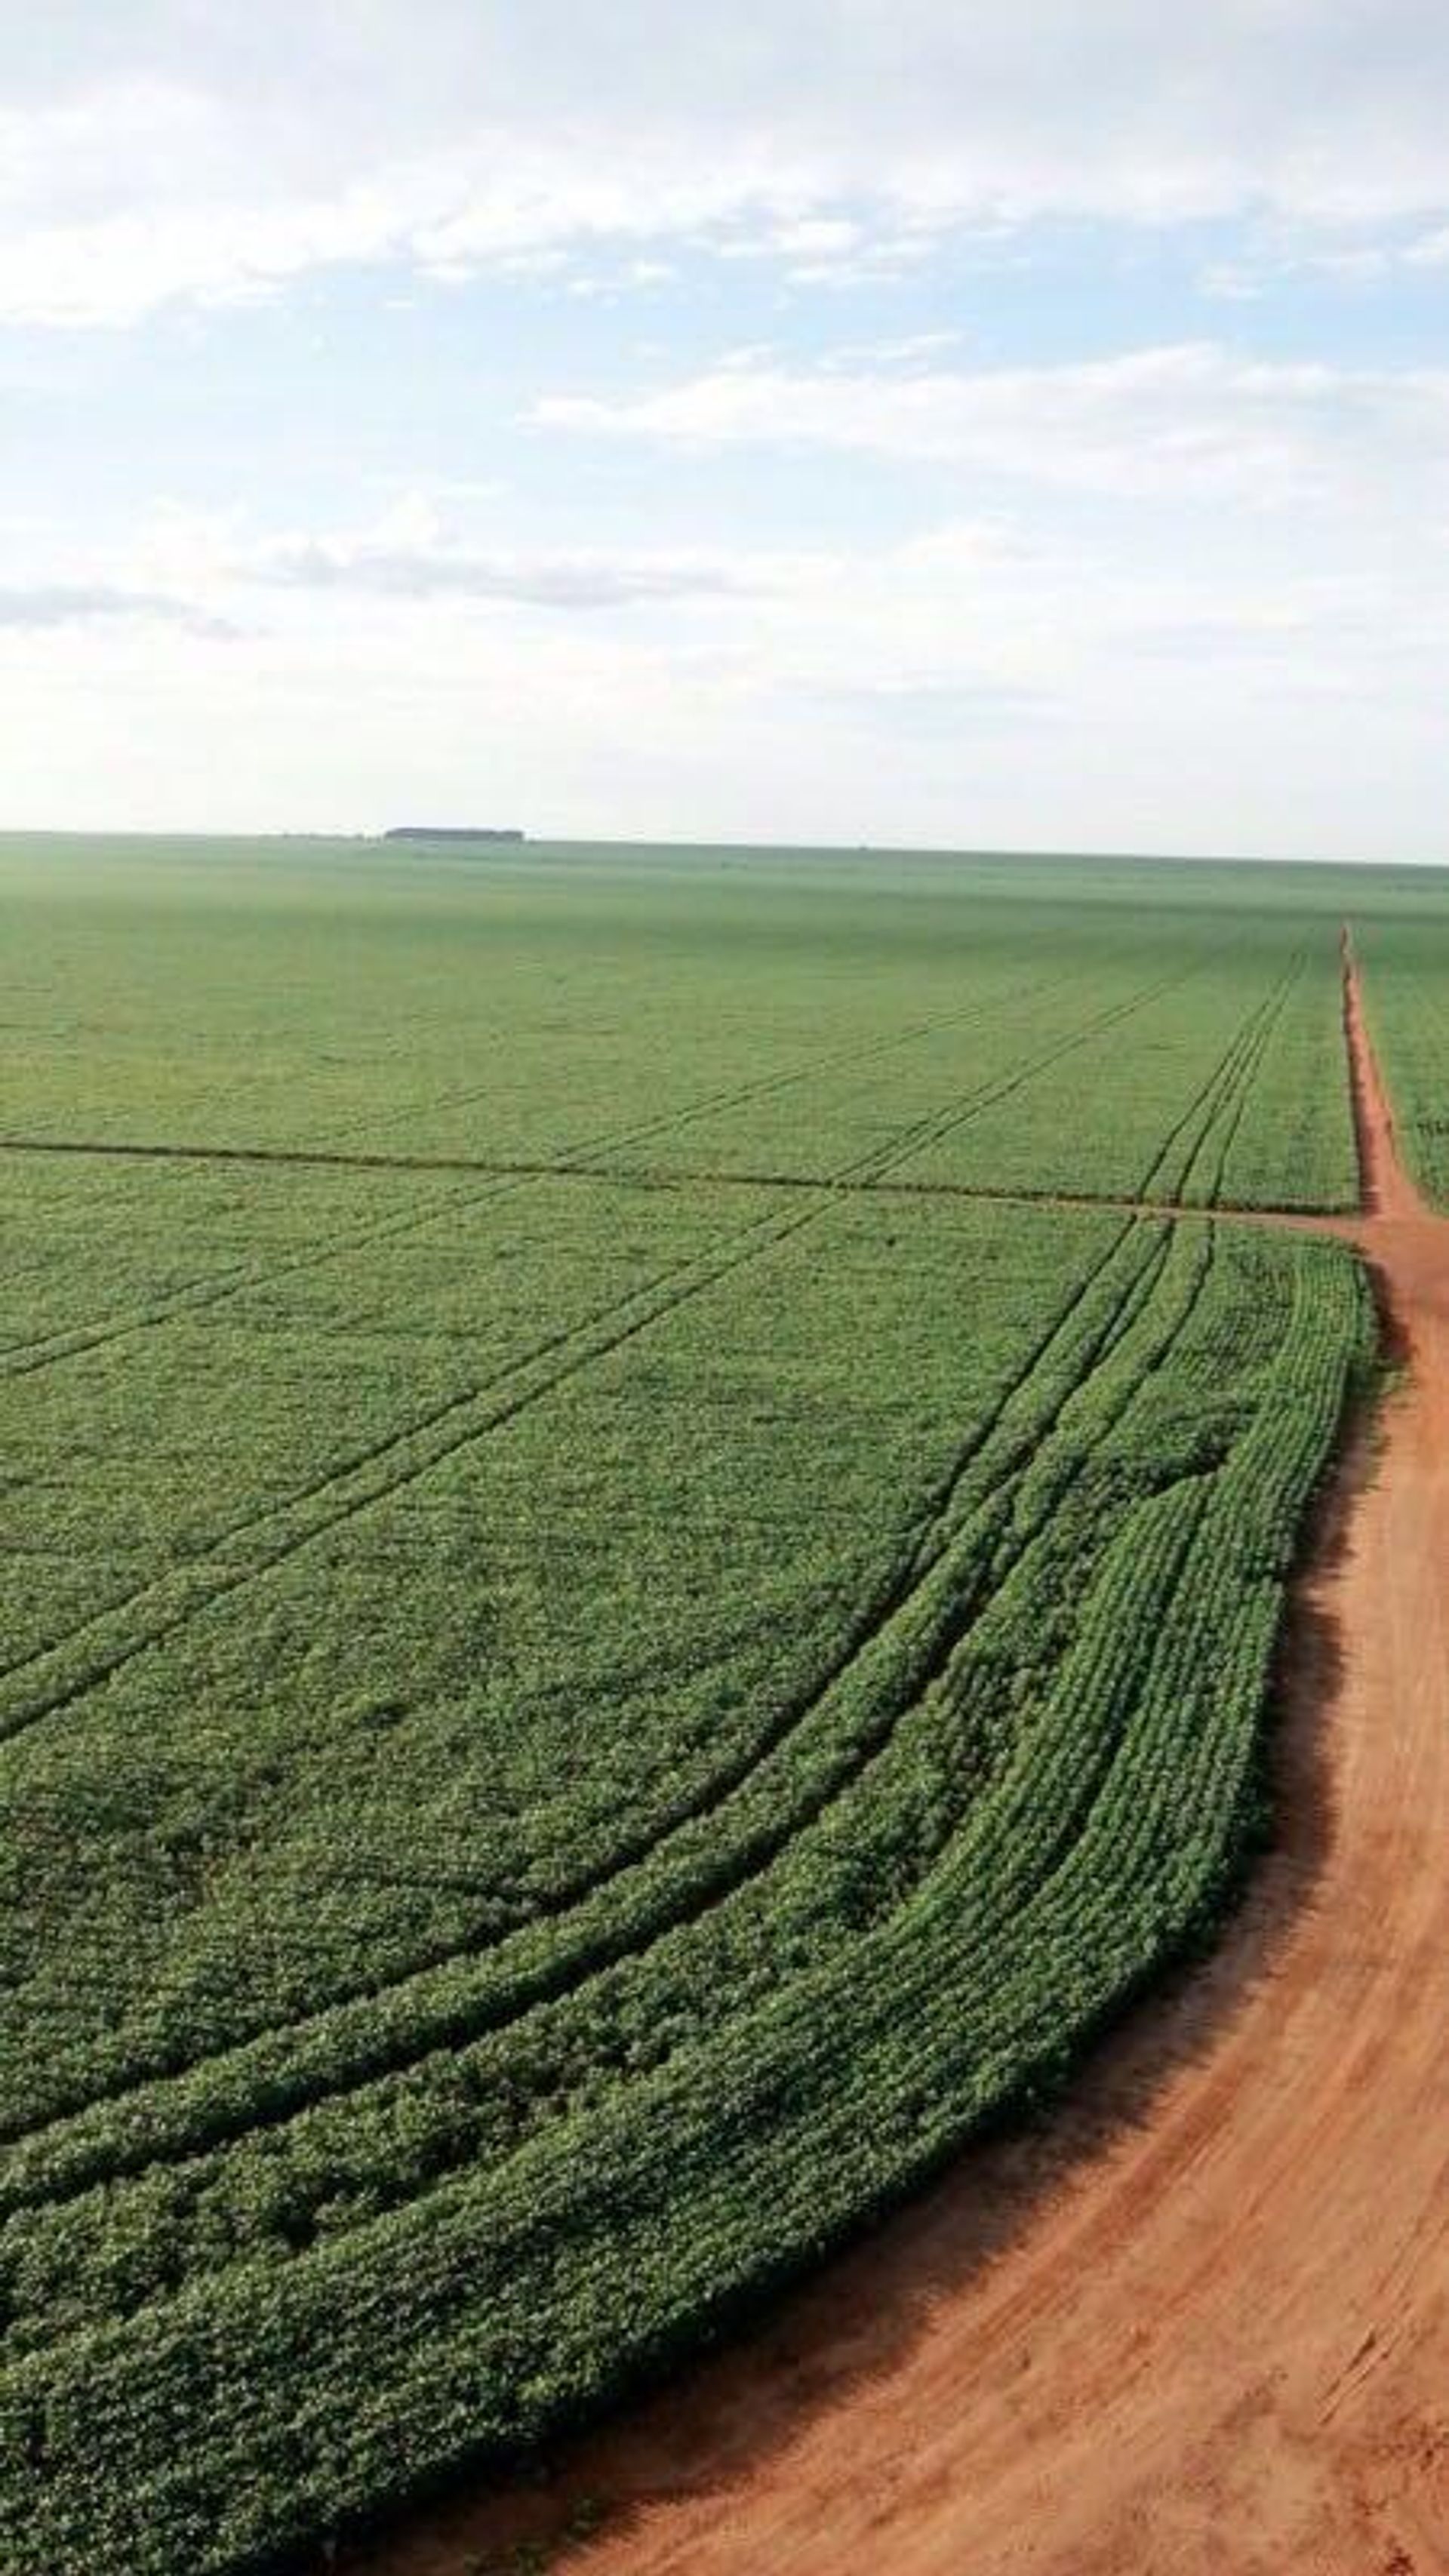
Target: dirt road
x: 1199, y: 2325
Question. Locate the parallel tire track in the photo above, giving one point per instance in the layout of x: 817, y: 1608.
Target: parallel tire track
x: 921, y: 1551
x: 24, y: 1358
x: 397, y: 1460
x: 765, y: 1848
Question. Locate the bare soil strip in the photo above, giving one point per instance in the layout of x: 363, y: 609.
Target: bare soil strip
x: 1197, y: 2324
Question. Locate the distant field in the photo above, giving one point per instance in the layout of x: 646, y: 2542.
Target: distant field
x: 707, y: 1013
x: 615, y: 1622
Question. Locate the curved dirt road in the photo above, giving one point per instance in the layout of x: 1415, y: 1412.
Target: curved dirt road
x: 1199, y: 2324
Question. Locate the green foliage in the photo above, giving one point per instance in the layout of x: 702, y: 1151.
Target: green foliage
x: 1403, y: 956
x: 567, y: 1732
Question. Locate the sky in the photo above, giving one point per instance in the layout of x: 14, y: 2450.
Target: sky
x: 934, y: 423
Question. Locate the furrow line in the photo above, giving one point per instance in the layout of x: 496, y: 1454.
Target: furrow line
x: 761, y: 1235
x: 26, y: 1358
x: 547, y: 1976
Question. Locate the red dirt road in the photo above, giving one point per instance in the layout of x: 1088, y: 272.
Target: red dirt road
x: 1199, y: 2324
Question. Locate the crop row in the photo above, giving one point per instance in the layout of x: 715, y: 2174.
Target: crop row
x: 442, y: 1207
x: 706, y: 2124
x: 51, y: 1680
x: 1404, y: 965
x: 692, y: 1840
x: 59, y: 1683
x: 884, y: 1759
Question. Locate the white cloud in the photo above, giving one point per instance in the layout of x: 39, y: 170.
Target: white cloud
x: 1275, y: 255
x: 31, y: 607
x: 154, y: 151
x: 209, y: 570
x: 960, y: 690
x: 988, y: 680
x: 1181, y: 421
x: 437, y: 570
x: 898, y: 590
x: 419, y: 551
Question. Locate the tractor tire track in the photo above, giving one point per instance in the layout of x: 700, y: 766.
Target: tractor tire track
x: 1201, y: 2322
x: 416, y: 1448
x: 26, y: 1358
x: 763, y: 1848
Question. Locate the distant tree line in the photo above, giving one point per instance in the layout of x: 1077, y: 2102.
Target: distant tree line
x: 451, y: 832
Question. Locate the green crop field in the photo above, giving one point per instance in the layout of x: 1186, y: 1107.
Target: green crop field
x: 1404, y: 957
x: 623, y: 1610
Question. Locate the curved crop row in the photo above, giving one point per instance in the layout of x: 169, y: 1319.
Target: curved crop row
x: 1050, y: 1749
x: 855, y: 1805
x: 689, y: 1845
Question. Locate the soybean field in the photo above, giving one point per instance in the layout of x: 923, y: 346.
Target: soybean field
x: 648, y: 1497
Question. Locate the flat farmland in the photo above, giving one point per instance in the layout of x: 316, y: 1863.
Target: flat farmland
x: 649, y: 1498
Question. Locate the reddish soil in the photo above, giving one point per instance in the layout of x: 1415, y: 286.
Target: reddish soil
x: 1199, y: 2324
